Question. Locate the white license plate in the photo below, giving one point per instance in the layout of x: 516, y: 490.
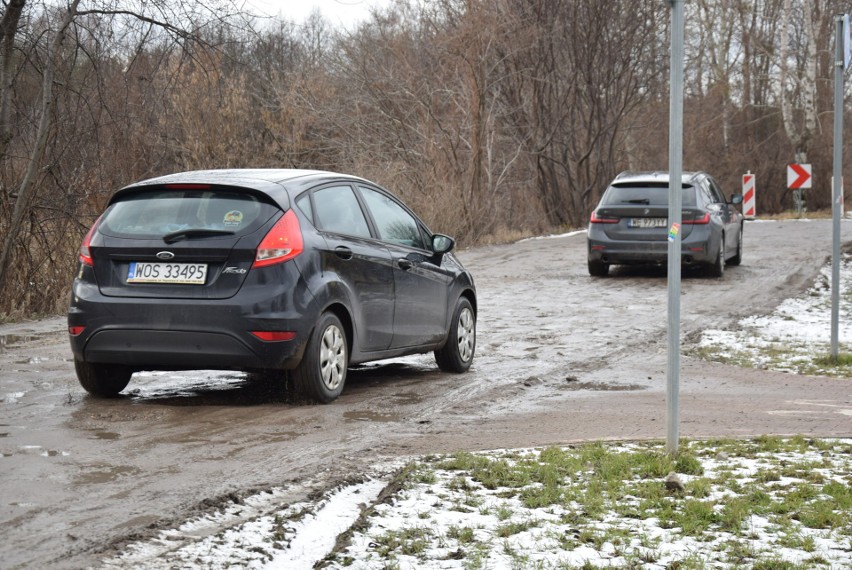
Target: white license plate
x: 648, y: 222
x: 177, y: 273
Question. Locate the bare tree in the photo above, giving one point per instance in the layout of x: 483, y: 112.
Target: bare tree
x: 60, y: 46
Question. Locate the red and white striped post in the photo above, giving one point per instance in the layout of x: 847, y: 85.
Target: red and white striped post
x: 749, y: 210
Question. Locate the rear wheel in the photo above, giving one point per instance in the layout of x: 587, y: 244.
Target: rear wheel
x: 598, y: 268
x: 321, y: 374
x: 717, y: 268
x: 102, y: 380
x: 457, y: 354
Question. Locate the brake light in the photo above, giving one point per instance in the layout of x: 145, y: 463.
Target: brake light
x: 85, y: 255
x: 283, y: 242
x: 273, y: 336
x: 598, y: 220
x: 187, y: 186
x: 700, y: 221
x: 76, y: 330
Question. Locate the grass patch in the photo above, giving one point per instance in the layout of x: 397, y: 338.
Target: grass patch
x: 743, y: 501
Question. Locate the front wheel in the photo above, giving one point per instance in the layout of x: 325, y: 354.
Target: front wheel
x: 738, y: 258
x: 457, y: 354
x: 102, y: 380
x: 321, y: 374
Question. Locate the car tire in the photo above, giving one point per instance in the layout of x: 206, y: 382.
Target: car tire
x: 321, y: 374
x: 102, y: 380
x: 598, y: 268
x: 738, y: 258
x: 457, y: 354
x: 717, y: 268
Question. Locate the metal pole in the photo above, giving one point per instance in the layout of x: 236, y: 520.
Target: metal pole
x: 837, y: 185
x: 675, y: 201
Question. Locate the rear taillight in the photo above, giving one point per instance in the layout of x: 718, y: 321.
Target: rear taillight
x: 85, y: 256
x: 283, y: 242
x: 705, y: 219
x: 595, y: 219
x: 75, y: 331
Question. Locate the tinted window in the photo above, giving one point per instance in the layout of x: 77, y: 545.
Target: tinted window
x: 337, y: 210
x: 649, y: 194
x: 155, y: 213
x: 393, y: 222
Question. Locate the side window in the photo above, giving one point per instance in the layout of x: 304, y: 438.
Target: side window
x: 393, y: 222
x: 304, y: 204
x: 337, y: 210
x: 716, y: 192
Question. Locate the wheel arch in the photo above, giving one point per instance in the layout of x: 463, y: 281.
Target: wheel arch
x: 342, y: 313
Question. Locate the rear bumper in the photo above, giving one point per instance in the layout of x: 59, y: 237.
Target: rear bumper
x: 697, y: 248
x: 183, y: 334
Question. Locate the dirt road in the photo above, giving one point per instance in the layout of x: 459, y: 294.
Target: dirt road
x: 561, y: 357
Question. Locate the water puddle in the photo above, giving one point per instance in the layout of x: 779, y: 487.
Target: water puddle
x: 108, y: 435
x: 105, y: 475
x: 371, y: 417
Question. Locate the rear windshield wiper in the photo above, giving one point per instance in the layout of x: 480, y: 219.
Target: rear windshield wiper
x: 193, y: 233
x: 637, y: 201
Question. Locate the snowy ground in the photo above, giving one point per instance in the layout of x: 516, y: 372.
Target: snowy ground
x: 796, y: 337
x: 765, y: 503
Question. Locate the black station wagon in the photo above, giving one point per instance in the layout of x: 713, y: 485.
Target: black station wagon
x: 266, y: 271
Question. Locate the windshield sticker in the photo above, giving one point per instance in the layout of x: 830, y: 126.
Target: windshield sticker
x: 233, y: 218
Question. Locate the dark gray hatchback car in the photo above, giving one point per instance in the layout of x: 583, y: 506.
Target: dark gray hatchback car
x: 264, y: 271
x: 630, y: 224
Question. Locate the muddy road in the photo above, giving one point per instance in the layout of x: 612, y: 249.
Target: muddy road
x: 561, y: 357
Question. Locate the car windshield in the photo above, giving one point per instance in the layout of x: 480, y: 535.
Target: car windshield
x: 648, y: 194
x: 157, y: 213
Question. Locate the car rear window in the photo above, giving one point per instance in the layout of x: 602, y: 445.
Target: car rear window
x: 154, y: 213
x: 650, y: 194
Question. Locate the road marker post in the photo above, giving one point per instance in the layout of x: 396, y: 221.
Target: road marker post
x: 749, y: 196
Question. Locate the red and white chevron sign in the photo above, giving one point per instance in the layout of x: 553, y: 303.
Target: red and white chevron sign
x: 798, y: 176
x: 749, y: 210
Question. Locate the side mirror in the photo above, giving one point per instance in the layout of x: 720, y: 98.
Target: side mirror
x: 442, y: 244
x: 736, y: 198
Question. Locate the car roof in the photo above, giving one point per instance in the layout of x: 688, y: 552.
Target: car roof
x: 277, y: 183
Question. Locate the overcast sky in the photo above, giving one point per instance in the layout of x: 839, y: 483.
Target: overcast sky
x: 337, y: 12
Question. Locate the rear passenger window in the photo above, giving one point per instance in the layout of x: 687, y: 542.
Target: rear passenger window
x: 394, y: 223
x: 338, y: 211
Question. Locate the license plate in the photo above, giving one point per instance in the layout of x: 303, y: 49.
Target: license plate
x: 176, y: 273
x: 648, y: 222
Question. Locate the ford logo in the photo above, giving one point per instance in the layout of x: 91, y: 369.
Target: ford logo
x: 165, y: 255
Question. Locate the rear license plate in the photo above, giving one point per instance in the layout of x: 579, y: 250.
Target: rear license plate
x: 176, y: 273
x: 648, y: 222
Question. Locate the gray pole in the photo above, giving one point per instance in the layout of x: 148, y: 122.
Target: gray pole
x: 675, y: 201
x: 837, y: 185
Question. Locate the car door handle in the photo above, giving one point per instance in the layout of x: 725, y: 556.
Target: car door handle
x: 404, y: 264
x: 343, y: 252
